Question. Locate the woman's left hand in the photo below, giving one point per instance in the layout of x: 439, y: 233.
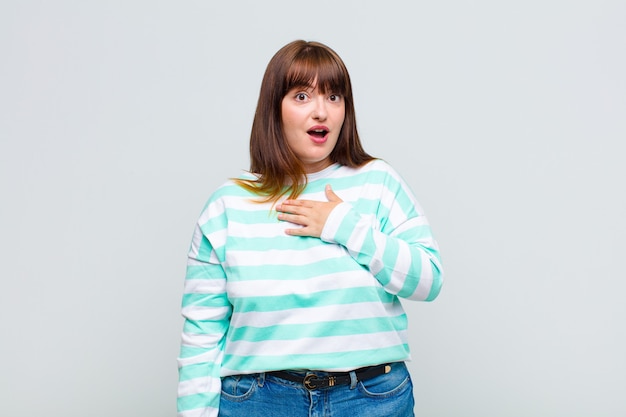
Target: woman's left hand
x: 311, y: 215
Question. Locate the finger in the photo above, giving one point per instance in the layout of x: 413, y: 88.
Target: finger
x: 291, y: 209
x: 330, y: 194
x: 302, y: 203
x: 293, y: 218
x: 296, y: 232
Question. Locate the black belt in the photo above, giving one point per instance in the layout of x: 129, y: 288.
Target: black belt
x: 312, y: 381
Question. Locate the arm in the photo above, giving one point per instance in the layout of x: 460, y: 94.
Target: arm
x: 207, y: 311
x: 404, y: 258
x: 402, y: 255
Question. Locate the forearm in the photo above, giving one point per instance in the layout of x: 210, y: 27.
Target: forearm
x: 207, y: 311
x: 406, y: 262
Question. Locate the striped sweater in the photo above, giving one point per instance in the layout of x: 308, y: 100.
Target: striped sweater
x: 257, y: 299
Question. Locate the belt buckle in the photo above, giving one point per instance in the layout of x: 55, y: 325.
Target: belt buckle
x: 308, y: 384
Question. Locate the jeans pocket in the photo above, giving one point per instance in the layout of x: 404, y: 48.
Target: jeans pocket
x: 388, y: 385
x: 238, y: 387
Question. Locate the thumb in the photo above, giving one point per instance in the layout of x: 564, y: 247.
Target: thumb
x: 330, y: 194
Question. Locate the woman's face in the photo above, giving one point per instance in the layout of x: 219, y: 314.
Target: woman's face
x: 311, y: 124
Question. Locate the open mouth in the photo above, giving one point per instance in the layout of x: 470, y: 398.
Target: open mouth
x: 318, y: 133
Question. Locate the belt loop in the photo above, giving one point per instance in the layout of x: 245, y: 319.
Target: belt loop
x: 353, y: 380
x: 261, y: 379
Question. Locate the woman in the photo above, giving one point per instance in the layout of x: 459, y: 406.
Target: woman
x: 295, y: 270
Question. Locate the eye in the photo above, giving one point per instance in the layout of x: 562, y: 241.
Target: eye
x: 301, y: 96
x: 335, y: 98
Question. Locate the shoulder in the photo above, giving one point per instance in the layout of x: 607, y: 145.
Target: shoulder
x: 375, y: 165
x: 379, y: 165
x: 376, y: 170
x: 382, y: 173
x: 229, y: 190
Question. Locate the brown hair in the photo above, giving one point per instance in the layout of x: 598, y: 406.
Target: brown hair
x: 297, y: 64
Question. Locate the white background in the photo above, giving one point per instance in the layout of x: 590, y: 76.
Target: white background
x: 119, y: 118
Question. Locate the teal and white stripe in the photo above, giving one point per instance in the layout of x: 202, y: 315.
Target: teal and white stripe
x: 257, y: 299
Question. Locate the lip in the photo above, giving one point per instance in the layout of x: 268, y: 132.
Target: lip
x: 317, y: 138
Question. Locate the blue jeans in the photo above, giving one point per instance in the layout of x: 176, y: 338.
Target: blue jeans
x: 255, y: 395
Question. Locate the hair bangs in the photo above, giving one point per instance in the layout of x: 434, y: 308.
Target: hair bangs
x: 317, y: 68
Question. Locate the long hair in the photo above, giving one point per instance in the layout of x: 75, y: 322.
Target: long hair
x: 277, y: 169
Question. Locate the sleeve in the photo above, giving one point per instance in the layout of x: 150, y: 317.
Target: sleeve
x: 396, y: 244
x: 207, y: 311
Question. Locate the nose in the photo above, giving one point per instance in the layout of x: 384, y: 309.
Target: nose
x: 319, y: 111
